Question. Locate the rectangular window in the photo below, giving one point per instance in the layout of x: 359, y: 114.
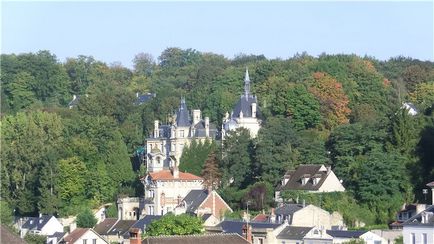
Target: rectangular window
x: 94, y: 241
x: 181, y: 133
x: 413, y: 238
x: 261, y: 241
x: 84, y: 241
x: 424, y: 238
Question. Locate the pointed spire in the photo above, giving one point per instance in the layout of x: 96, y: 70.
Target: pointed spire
x: 247, y: 83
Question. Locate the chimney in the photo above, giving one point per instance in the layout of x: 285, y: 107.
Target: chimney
x: 156, y: 129
x: 196, y: 116
x: 241, y: 114
x: 247, y: 232
x: 175, y: 171
x: 74, y: 97
x: 254, y: 110
x: 272, y: 216
x: 135, y: 236
x: 329, y: 169
x: 207, y: 126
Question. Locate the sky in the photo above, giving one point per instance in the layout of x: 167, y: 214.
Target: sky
x: 117, y: 31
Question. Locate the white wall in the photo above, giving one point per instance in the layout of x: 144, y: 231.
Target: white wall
x: 418, y: 231
x: 90, y: 236
x: 52, y: 226
x: 331, y: 184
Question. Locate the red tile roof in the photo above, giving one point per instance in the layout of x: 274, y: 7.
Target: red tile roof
x: 167, y: 175
x: 75, y: 235
x: 431, y: 184
x: 260, y: 218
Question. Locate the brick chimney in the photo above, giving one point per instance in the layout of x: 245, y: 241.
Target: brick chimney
x: 247, y: 233
x: 135, y: 236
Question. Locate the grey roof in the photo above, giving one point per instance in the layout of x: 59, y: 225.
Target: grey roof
x: 235, y: 226
x: 206, y: 216
x: 417, y: 219
x: 201, y: 132
x: 194, y: 198
x: 346, y: 233
x: 245, y: 105
x: 121, y: 227
x: 145, y: 221
x: 182, y: 116
x: 288, y: 209
x: 103, y: 227
x: 143, y: 98
x: 197, y: 239
x: 36, y: 223
x: 294, y: 233
x: 58, y: 235
x: 310, y: 170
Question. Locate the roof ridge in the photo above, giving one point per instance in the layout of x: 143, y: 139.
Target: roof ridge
x: 193, y: 235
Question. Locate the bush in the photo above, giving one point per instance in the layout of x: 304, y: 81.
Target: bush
x: 86, y: 219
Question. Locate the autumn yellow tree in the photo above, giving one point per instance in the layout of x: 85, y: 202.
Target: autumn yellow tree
x: 334, y: 102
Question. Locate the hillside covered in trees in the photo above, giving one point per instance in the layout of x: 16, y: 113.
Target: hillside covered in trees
x: 341, y: 110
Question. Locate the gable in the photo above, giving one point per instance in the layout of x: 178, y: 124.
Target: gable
x: 220, y: 205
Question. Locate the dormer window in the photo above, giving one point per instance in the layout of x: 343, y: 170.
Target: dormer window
x: 316, y: 178
x: 305, y: 179
x: 40, y: 221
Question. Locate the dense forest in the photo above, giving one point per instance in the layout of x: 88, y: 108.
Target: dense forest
x: 341, y: 110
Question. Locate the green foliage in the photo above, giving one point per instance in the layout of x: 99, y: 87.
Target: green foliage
x: 260, y: 196
x: 399, y: 240
x: 237, y: 162
x: 170, y: 224
x: 86, y: 219
x: 355, y: 241
x: 35, y: 239
x: 6, y: 213
x: 112, y: 211
x: 194, y: 156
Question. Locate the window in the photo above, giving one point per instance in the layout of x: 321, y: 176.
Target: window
x: 84, y: 241
x: 424, y: 238
x: 181, y: 133
x: 94, y: 241
x: 261, y: 241
x: 413, y: 238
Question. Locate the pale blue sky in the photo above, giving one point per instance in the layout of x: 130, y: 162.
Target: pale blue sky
x: 116, y: 31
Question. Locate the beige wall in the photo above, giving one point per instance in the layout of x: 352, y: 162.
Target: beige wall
x: 90, y: 236
x: 314, y: 216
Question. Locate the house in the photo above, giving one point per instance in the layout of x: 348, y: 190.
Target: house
x: 114, y: 230
x: 310, y: 177
x: 307, y: 216
x: 420, y: 228
x: 245, y: 113
x: 344, y: 236
x: 297, y: 234
x: 83, y: 236
x: 42, y: 225
x: 407, y: 211
x: 132, y: 208
x: 388, y: 235
x: 143, y: 98
x: 257, y: 232
x: 412, y: 110
x: 7, y: 236
x: 165, y: 189
x: 197, y: 239
x: 201, y: 202
x: 164, y: 148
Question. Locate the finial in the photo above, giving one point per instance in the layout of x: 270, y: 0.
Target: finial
x: 246, y: 83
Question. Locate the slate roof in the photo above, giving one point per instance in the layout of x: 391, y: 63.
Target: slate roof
x: 431, y: 184
x: 197, y: 239
x: 103, y: 227
x: 417, y: 219
x: 288, y: 210
x: 143, y: 98
x: 121, y: 227
x: 200, y: 129
x: 295, y: 178
x: 206, y: 216
x: 235, y: 226
x: 194, y: 199
x: 167, y: 175
x: 7, y: 236
x: 245, y: 105
x: 182, y: 116
x: 57, y: 235
x: 145, y: 221
x: 294, y: 233
x: 36, y: 223
x: 346, y: 233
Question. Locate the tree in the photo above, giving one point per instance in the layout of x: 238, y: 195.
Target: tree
x: 170, y: 224
x: 237, y: 162
x: 72, y: 180
x: 260, y: 195
x: 333, y: 100
x: 423, y: 95
x: 35, y: 239
x: 6, y: 213
x: 211, y: 173
x: 86, y: 219
x: 303, y: 108
x: 194, y: 156
x: 144, y: 64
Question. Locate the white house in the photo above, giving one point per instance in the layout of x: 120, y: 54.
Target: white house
x: 420, y: 228
x: 297, y: 235
x: 310, y: 177
x: 44, y: 225
x: 83, y: 236
x: 344, y: 236
x: 165, y: 189
x: 245, y: 113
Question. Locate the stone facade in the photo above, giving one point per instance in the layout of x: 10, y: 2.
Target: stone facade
x: 245, y: 113
x: 164, y: 148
